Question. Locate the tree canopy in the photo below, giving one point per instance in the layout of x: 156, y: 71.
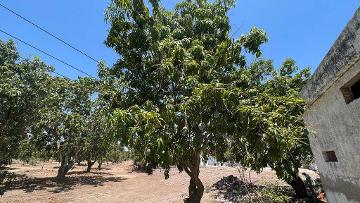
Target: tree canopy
x: 23, y: 89
x: 188, y: 90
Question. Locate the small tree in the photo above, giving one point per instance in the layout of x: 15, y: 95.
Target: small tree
x: 115, y: 153
x: 74, y: 128
x: 97, y: 142
x: 64, y: 118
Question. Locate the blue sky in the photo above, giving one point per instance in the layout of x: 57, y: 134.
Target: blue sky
x: 303, y: 30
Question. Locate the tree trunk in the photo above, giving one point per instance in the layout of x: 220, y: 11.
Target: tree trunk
x: 100, y: 163
x: 196, y: 187
x: 298, y: 185
x: 196, y: 191
x: 3, y: 163
x: 89, y: 165
x: 64, y: 168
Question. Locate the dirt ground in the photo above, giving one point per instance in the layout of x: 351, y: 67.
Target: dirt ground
x: 114, y: 183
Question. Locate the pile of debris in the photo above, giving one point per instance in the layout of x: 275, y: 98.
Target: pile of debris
x: 232, y: 189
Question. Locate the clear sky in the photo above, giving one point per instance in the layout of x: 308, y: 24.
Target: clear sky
x: 303, y: 30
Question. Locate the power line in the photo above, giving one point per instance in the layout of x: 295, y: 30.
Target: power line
x: 238, y: 29
x: 66, y: 43
x: 27, y: 59
x: 49, y: 33
x: 46, y: 53
x: 61, y: 75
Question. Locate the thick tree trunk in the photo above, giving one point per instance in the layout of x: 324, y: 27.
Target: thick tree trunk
x: 299, y: 186
x: 89, y: 165
x: 196, y: 191
x: 61, y: 173
x: 196, y: 187
x: 64, y: 168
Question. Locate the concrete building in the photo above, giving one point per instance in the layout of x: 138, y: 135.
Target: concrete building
x: 333, y: 117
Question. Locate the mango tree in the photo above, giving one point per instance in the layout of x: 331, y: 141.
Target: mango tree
x: 64, y: 119
x: 97, y: 143
x: 164, y: 57
x: 22, y: 94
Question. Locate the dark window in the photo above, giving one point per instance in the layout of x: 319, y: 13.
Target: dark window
x: 330, y: 156
x: 356, y: 90
x: 351, y: 90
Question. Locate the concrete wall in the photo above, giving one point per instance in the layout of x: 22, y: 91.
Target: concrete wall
x: 335, y: 125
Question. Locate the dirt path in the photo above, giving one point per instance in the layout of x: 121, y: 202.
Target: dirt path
x: 114, y: 183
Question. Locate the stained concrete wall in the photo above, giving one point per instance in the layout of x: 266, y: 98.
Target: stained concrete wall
x: 333, y: 124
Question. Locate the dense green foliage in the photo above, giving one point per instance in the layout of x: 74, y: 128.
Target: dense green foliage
x: 44, y: 117
x: 188, y: 91
x: 272, y: 132
x: 22, y: 93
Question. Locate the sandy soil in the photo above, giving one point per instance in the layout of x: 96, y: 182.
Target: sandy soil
x: 114, y: 183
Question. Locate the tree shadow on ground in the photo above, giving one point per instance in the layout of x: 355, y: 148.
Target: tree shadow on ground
x: 30, y: 184
x: 84, y: 166
x: 97, y: 172
x: 9, y: 168
x: 104, y: 169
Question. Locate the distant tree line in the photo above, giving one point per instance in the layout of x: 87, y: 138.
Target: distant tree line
x: 45, y: 117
